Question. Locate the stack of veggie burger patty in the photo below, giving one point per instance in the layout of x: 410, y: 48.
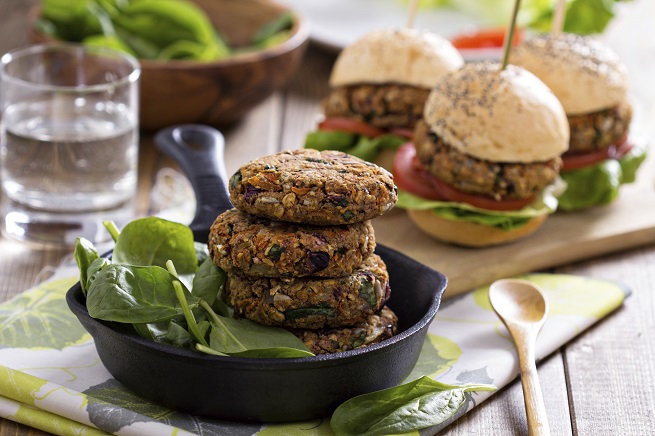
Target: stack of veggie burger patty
x: 298, y: 247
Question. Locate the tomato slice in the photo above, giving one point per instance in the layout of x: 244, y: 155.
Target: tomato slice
x: 481, y: 201
x: 349, y: 125
x: 409, y: 175
x: 485, y: 38
x: 580, y: 160
x: 404, y: 132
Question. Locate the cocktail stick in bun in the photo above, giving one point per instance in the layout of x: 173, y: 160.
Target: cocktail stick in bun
x: 592, y: 84
x: 378, y: 89
x: 484, y: 164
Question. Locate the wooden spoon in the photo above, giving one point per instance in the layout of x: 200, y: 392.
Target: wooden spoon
x: 522, y: 307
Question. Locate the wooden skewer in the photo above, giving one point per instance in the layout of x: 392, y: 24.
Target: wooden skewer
x: 413, y: 5
x: 509, y: 35
x: 558, y: 18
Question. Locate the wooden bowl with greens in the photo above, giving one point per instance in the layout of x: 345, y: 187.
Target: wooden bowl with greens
x: 204, y: 61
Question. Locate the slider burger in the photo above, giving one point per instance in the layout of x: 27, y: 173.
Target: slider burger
x: 378, y: 89
x: 591, y: 82
x: 484, y: 163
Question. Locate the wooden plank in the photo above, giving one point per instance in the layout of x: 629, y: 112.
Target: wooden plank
x: 504, y: 413
x: 611, y: 370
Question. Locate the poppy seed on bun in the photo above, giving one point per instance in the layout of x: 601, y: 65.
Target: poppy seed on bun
x: 488, y: 148
x: 498, y: 115
x: 586, y: 75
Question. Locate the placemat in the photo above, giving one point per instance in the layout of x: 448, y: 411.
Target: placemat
x: 51, y: 377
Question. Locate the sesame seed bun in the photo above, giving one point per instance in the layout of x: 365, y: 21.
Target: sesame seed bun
x: 405, y: 56
x: 583, y: 73
x: 470, y: 234
x: 498, y: 115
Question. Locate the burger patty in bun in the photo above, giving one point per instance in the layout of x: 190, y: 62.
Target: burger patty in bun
x: 592, y: 84
x: 484, y: 163
x: 378, y: 88
x: 383, y: 106
x: 601, y: 129
x: 467, y: 173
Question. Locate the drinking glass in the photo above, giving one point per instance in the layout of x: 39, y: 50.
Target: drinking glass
x: 69, y: 141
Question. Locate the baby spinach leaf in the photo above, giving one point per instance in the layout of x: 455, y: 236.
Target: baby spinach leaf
x: 135, y: 294
x: 272, y: 28
x: 172, y: 332
x: 93, y: 269
x: 153, y: 241
x: 188, y: 315
x: 84, y: 254
x: 229, y: 335
x: 274, y: 352
x: 208, y: 284
x: 412, y: 406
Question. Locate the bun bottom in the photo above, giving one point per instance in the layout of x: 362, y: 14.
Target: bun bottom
x: 470, y: 234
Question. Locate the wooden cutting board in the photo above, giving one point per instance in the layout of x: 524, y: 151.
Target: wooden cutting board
x: 564, y: 238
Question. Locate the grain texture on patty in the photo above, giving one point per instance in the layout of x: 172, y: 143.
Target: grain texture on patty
x: 381, y: 105
x: 598, y: 130
x: 376, y: 328
x: 499, y: 180
x: 261, y: 247
x: 311, y: 303
x: 311, y: 187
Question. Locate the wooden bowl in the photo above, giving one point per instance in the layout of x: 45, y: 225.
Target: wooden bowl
x: 221, y: 92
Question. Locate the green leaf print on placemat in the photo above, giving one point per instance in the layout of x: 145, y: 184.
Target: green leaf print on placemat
x: 112, y: 407
x: 320, y: 427
x: 19, y: 386
x: 40, y: 318
x: 569, y: 294
x: 438, y: 354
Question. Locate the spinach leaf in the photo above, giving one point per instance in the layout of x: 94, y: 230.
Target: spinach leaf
x: 153, y: 241
x: 172, y: 332
x: 274, y: 352
x: 412, y: 406
x: 93, y: 269
x: 84, y: 254
x: 186, y: 309
x: 135, y: 294
x: 229, y: 336
x: 271, y: 28
x: 178, y: 336
x: 208, y: 284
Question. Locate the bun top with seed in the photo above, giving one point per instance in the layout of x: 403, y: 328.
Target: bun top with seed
x: 584, y: 74
x: 498, y: 115
x: 405, y: 56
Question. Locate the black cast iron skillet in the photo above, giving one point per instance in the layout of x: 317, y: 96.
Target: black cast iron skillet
x: 266, y: 390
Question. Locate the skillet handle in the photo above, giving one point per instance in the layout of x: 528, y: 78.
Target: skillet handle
x: 198, y: 149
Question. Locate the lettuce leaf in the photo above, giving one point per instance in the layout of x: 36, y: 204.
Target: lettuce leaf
x: 360, y: 146
x: 582, y: 16
x: 505, y: 220
x: 599, y: 184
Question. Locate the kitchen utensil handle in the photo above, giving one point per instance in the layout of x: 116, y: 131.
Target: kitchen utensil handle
x: 199, y: 150
x: 535, y: 408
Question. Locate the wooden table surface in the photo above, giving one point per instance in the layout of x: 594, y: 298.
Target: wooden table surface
x: 601, y: 383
